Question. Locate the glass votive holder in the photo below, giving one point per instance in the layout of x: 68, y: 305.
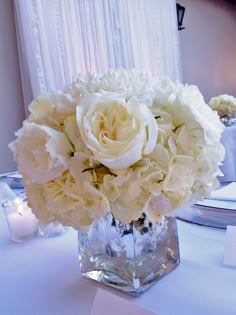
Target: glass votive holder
x: 22, y: 223
x: 51, y: 229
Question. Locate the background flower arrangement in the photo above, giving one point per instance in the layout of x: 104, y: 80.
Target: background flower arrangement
x: 225, y: 105
x: 120, y: 141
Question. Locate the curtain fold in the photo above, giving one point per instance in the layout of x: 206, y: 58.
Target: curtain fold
x: 58, y: 39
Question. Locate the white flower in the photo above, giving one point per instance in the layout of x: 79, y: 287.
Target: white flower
x: 225, y: 105
x: 127, y: 83
x: 186, y: 106
x: 180, y: 175
x: 120, y: 141
x: 71, y: 130
x: 52, y: 110
x: 158, y: 206
x: 129, y: 193
x: 66, y: 200
x: 117, y: 132
x: 41, y: 152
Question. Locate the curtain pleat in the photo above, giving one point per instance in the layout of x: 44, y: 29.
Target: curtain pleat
x: 58, y: 39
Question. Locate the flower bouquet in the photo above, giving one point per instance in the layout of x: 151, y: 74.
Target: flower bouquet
x: 119, y: 152
x: 225, y: 106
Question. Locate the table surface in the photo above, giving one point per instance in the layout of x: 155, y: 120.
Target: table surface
x: 42, y: 277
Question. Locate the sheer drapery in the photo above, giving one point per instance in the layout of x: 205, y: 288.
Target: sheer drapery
x: 58, y: 39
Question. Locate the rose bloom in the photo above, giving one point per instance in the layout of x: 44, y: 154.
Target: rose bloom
x: 117, y: 132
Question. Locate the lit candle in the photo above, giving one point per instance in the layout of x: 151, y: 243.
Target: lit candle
x: 21, y: 221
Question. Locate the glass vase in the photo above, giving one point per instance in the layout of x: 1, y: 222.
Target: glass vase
x: 51, y: 229
x: 129, y: 257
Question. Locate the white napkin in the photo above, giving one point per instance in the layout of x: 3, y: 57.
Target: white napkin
x: 226, y: 193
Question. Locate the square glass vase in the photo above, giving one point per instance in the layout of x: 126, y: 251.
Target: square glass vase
x: 130, y: 257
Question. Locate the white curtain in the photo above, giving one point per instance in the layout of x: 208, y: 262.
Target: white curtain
x: 58, y: 39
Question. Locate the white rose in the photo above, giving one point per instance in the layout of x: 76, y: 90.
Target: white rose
x: 41, y: 152
x: 117, y: 132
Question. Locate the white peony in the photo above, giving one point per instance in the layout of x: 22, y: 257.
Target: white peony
x: 42, y: 153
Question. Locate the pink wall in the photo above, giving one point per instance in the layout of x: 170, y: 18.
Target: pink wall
x: 11, y: 101
x: 208, y: 46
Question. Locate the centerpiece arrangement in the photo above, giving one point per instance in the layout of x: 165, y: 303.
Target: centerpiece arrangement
x: 225, y: 106
x: 115, y: 155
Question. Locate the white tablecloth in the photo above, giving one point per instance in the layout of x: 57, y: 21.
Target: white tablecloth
x: 229, y: 165
x: 42, y: 277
